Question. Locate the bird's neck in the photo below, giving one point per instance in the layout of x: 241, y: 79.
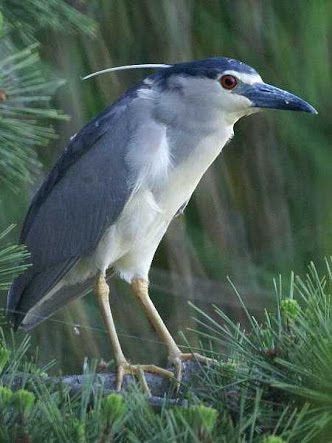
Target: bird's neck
x: 191, y: 137
x: 201, y: 136
x: 191, y: 156
x: 198, y: 114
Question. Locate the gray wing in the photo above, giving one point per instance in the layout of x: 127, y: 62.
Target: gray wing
x: 88, y: 199
x: 82, y: 196
x: 85, y: 192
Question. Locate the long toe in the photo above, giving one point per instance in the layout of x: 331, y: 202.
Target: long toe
x: 178, y: 359
x: 139, y: 371
x: 198, y: 357
x: 120, y: 372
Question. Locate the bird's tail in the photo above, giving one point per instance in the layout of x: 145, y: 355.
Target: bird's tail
x: 14, y: 295
x: 53, y: 301
x: 33, y: 290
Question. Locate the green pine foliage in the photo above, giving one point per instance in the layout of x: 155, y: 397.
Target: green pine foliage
x: 25, y: 111
x: 12, y: 259
x: 272, y: 384
x: 30, y: 16
x: 26, y: 86
x: 283, y: 362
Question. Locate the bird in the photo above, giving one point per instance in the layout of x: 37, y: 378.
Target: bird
x: 110, y: 197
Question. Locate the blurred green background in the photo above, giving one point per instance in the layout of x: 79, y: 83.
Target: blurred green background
x: 262, y: 209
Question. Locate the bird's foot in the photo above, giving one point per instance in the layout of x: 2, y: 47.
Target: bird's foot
x: 125, y: 368
x: 178, y: 358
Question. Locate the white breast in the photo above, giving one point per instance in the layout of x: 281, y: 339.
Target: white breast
x: 184, y: 178
x: 130, y: 244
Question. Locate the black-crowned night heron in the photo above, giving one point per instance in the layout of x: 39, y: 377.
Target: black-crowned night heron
x: 117, y: 186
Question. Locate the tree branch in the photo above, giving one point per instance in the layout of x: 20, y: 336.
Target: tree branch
x: 161, y: 387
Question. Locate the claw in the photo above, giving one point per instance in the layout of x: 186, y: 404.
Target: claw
x: 178, y: 369
x: 177, y: 360
x: 126, y: 368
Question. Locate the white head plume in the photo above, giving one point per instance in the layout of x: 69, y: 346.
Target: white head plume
x: 123, y: 68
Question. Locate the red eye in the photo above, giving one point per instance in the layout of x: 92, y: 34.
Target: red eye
x: 228, y: 81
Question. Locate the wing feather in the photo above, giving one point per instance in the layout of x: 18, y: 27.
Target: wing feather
x: 83, y: 195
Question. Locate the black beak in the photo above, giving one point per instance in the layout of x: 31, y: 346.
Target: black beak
x: 263, y: 95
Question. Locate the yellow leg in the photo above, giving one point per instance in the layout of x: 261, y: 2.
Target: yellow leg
x: 123, y: 367
x: 175, y: 356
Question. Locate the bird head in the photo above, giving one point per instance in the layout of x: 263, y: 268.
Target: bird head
x: 228, y: 85
x: 225, y: 85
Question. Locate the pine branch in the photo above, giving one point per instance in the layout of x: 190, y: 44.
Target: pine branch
x: 25, y: 90
x: 28, y: 16
x: 25, y: 112
x: 12, y: 260
x: 274, y: 381
x: 160, y: 387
